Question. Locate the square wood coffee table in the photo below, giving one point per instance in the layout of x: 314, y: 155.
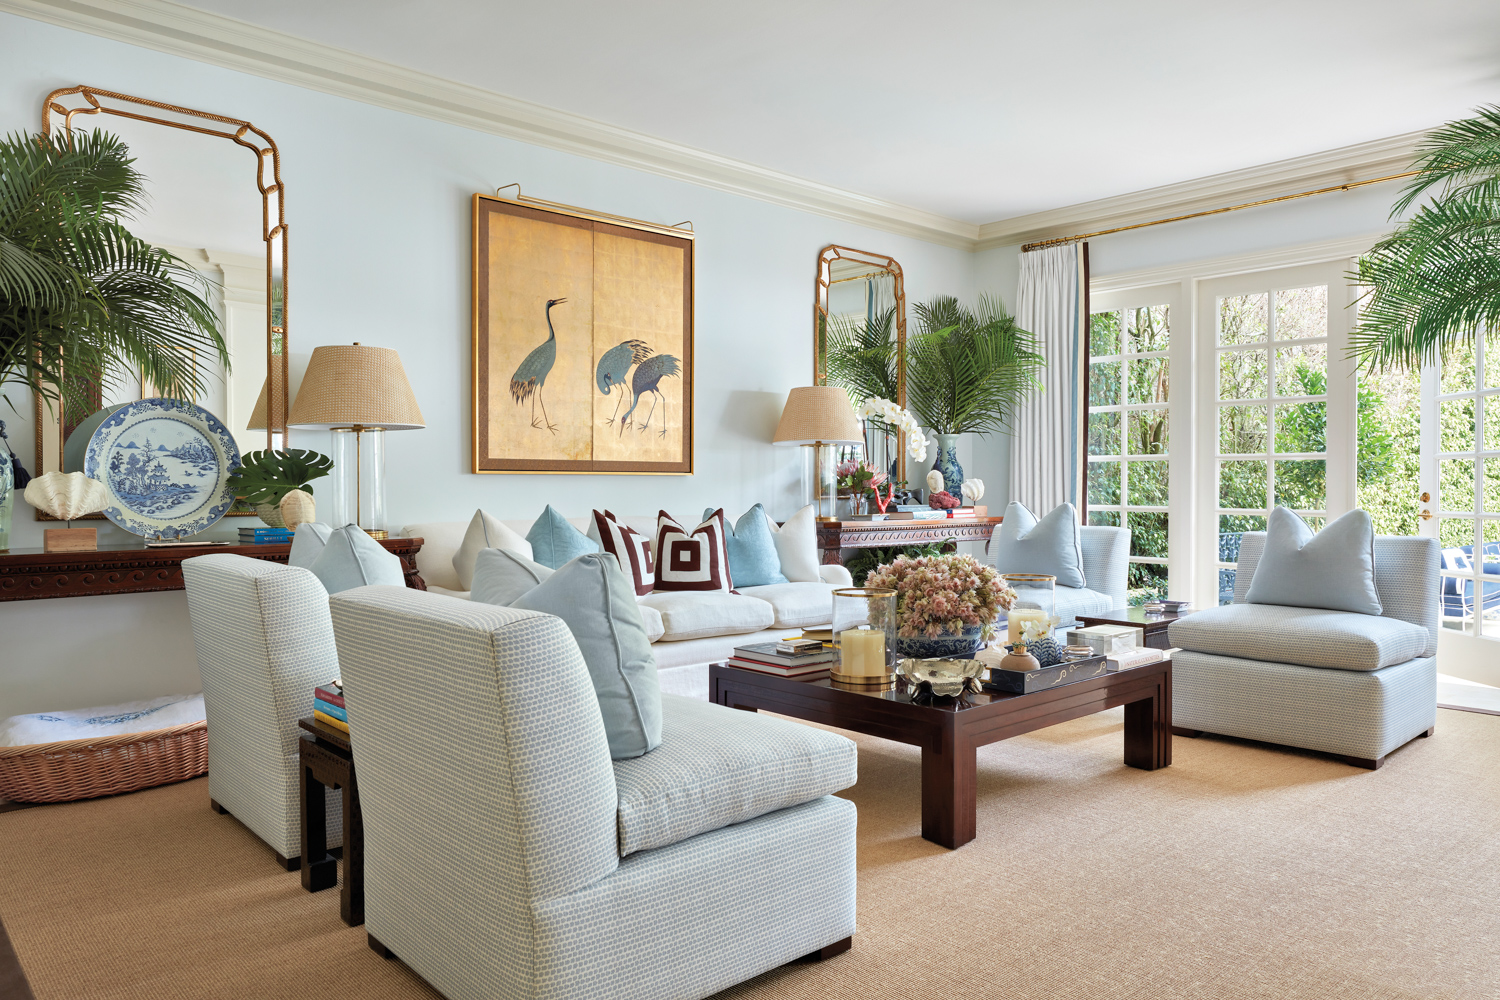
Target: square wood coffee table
x: 950, y: 734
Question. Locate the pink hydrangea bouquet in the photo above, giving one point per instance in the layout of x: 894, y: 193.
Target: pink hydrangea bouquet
x: 943, y: 595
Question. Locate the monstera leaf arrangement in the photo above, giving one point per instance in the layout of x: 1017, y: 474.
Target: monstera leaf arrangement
x: 272, y: 480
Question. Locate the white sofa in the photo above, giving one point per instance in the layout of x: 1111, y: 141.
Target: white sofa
x: 689, y: 630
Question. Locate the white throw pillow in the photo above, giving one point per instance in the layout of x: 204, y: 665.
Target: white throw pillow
x: 501, y: 576
x: 308, y: 542
x: 354, y: 559
x: 485, y: 532
x: 797, y: 546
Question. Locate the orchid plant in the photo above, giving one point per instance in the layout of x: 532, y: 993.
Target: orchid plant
x: 893, y: 419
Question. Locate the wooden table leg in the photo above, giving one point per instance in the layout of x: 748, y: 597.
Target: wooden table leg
x: 1148, y: 728
x: 352, y: 902
x: 319, y: 869
x: 949, y: 795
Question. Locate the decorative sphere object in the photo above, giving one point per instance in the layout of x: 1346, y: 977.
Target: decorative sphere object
x: 296, y: 508
x: 1046, y: 651
x: 66, y: 495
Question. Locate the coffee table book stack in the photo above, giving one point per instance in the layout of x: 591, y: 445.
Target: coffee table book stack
x: 773, y: 658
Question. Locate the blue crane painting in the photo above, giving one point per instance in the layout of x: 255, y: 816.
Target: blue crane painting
x: 531, y: 376
x: 614, y: 366
x: 647, y: 378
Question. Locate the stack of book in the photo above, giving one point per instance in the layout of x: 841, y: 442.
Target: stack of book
x: 328, y: 706
x: 265, y: 536
x: 770, y: 658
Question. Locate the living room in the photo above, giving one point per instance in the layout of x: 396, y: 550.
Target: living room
x: 772, y: 156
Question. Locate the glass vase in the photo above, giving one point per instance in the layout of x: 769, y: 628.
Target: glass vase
x: 864, y: 636
x: 1036, y: 601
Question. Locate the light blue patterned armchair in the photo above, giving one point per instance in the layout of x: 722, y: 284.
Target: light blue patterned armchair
x: 1354, y: 685
x: 507, y: 855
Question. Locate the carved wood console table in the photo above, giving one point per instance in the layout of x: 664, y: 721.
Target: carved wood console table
x: 31, y: 574
x: 836, y: 535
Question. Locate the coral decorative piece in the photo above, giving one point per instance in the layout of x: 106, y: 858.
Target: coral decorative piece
x: 66, y: 495
x: 942, y: 500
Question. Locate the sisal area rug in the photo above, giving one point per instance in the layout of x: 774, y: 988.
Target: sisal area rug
x: 1240, y: 871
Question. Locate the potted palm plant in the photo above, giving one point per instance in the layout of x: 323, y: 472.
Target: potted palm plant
x: 966, y: 372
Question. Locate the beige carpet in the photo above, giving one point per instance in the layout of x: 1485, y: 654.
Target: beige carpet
x: 1241, y: 871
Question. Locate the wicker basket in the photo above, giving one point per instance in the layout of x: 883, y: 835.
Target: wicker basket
x: 85, y: 769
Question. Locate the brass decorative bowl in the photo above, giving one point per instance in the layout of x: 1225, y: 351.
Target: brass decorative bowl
x: 945, y: 678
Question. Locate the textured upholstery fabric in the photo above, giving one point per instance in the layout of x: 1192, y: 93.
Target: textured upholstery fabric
x: 492, y: 864
x: 307, y: 543
x: 1075, y: 601
x: 354, y: 559
x: 1022, y: 544
x: 1406, y: 578
x: 592, y: 596
x: 718, y: 766
x: 1106, y: 561
x: 1312, y: 637
x: 501, y: 576
x: 698, y: 615
x: 1333, y: 569
x: 797, y: 545
x: 796, y: 605
x: 554, y: 541
x: 485, y: 531
x: 753, y: 561
x: 1359, y: 713
x: 264, y: 642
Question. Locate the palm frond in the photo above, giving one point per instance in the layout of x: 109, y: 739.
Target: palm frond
x: 861, y: 357
x: 968, y: 370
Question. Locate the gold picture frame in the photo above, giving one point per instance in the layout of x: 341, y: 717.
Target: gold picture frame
x: 582, y: 341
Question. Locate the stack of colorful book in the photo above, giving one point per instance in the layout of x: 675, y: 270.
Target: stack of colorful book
x: 328, y: 706
x: 765, y: 658
x: 265, y: 536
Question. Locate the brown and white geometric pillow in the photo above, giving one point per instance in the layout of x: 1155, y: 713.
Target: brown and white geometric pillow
x: 630, y: 548
x: 692, y: 560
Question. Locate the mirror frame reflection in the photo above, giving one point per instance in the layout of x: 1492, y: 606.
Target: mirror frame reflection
x: 857, y: 265
x: 265, y: 409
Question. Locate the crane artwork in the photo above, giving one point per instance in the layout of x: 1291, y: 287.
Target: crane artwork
x: 613, y: 367
x: 529, y: 379
x: 647, y: 378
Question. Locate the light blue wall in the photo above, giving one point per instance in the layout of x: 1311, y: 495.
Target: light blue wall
x: 379, y: 213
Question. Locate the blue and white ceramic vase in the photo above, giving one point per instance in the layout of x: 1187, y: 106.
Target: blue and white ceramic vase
x: 947, y: 464
x: 1047, y: 652
x: 7, y: 497
x: 949, y: 646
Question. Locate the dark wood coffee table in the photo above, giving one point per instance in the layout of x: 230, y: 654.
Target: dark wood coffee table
x: 1154, y: 625
x: 950, y: 734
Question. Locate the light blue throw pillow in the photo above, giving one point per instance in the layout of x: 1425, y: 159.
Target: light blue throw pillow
x: 501, y: 576
x: 308, y: 543
x: 597, y: 603
x: 352, y: 559
x: 1334, y: 569
x: 1050, y: 546
x: 554, y: 541
x: 753, y: 560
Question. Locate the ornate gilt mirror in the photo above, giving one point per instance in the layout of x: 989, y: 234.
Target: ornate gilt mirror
x: 253, y: 397
x: 859, y: 336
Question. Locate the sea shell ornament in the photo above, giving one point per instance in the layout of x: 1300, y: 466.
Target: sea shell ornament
x: 296, y: 508
x: 66, y: 495
x: 934, y: 481
x: 973, y: 490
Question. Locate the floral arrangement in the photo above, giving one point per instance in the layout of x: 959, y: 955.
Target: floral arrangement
x: 937, y: 595
x: 853, y: 474
x: 893, y: 417
x: 1034, y: 631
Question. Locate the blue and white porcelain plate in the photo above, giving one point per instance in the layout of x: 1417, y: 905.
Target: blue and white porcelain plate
x: 166, y: 465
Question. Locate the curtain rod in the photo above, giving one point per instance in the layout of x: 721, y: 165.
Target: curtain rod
x: 1028, y: 247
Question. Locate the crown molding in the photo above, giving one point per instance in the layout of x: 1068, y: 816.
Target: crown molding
x: 222, y: 41
x: 1345, y: 248
x: 1270, y: 180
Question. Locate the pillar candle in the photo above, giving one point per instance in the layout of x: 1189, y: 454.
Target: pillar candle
x: 862, y: 652
x: 1020, y: 616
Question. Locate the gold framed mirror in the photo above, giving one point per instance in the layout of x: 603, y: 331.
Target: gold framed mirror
x: 854, y: 288
x: 254, y: 300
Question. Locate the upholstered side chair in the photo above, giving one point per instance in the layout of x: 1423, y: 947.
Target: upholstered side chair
x: 264, y: 643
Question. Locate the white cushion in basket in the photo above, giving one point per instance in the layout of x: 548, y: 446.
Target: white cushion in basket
x: 796, y: 605
x: 111, y: 720
x: 693, y: 615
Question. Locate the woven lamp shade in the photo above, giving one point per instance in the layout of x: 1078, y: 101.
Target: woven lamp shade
x: 818, y: 414
x: 349, y: 385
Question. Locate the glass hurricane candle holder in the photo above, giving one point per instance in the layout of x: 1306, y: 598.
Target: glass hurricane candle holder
x: 864, y: 636
x: 1036, y: 601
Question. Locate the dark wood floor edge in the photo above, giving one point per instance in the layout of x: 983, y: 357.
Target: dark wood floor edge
x: 13, y: 984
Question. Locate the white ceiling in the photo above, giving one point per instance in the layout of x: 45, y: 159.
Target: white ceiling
x: 976, y: 111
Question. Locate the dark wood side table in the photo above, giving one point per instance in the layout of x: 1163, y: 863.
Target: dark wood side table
x: 836, y: 535
x: 1153, y: 625
x: 327, y: 762
x: 950, y: 734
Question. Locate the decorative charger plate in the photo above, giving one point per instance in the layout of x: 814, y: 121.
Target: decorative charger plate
x: 166, y: 465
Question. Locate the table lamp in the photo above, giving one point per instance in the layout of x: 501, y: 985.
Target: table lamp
x: 820, y: 417
x: 358, y: 393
